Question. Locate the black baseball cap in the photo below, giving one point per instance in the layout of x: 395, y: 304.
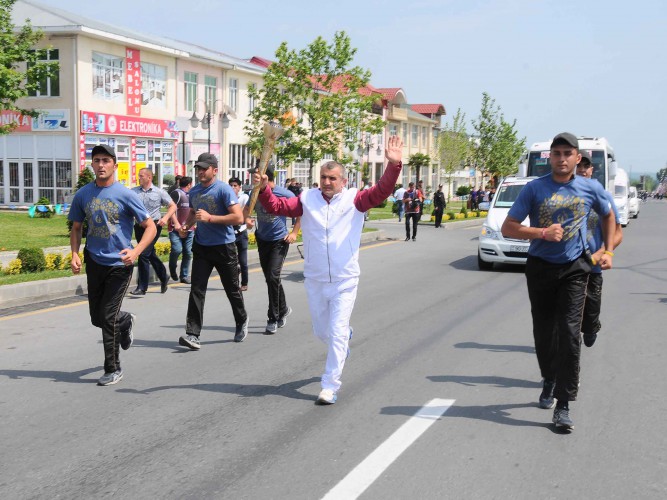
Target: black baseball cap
x: 103, y: 149
x: 586, y: 155
x: 206, y: 160
x: 269, y: 171
x: 565, y: 138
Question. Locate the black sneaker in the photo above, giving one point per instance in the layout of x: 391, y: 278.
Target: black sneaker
x: 127, y: 337
x: 562, y: 419
x: 174, y: 276
x: 271, y: 327
x: 190, y: 341
x: 589, y: 339
x: 241, y: 331
x: 283, y: 321
x: 547, y: 397
x: 138, y: 291
x: 164, y: 286
x: 187, y: 281
x: 407, y: 238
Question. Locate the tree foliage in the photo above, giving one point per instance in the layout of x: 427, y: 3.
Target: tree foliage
x: 498, y: 148
x: 21, y: 70
x: 417, y: 161
x: 315, y: 92
x: 453, y: 146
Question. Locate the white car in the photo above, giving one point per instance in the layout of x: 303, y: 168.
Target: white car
x: 633, y: 202
x: 493, y: 247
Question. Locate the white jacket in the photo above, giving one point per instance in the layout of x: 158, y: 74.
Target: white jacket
x: 331, y: 235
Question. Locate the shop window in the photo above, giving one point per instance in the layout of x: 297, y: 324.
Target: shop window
x: 153, y: 85
x: 49, y: 86
x: 190, y: 84
x: 240, y: 160
x: 108, y: 81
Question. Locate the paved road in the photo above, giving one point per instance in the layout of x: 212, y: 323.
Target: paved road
x: 238, y: 421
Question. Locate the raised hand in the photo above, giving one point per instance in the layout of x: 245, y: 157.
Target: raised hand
x: 394, y: 149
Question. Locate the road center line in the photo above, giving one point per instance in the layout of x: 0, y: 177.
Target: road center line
x: 364, y: 474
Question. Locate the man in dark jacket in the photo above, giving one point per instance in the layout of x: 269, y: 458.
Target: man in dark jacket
x: 439, y: 205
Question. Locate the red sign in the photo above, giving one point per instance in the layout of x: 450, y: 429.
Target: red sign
x: 102, y: 123
x: 82, y: 151
x: 23, y: 123
x: 133, y: 160
x: 133, y: 81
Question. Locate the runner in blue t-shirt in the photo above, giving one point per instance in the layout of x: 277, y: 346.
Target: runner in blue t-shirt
x: 273, y: 241
x: 590, y: 325
x: 557, y: 267
x: 215, y: 208
x: 110, y: 210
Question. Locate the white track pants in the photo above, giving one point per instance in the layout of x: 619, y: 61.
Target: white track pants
x: 331, y: 306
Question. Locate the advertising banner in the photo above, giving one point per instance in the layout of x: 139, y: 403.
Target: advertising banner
x: 133, y: 81
x: 49, y: 120
x: 102, y: 123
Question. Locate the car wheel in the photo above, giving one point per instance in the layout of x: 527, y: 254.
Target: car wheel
x: 483, y: 265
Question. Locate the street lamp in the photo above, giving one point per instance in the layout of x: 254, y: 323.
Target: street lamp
x: 205, y: 121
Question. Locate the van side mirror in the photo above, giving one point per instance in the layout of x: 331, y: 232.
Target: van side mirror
x: 612, y: 169
x: 523, y: 169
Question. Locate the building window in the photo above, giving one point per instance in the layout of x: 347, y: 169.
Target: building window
x: 153, y: 85
x: 405, y: 133
x: 50, y: 85
x: 190, y: 84
x: 108, y: 82
x: 415, y: 136
x: 300, y: 171
x: 240, y: 160
x: 424, y: 137
x: 251, y: 100
x: 210, y: 92
x: 393, y: 129
x: 233, y: 93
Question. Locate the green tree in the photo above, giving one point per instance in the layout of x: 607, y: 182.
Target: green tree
x: 486, y: 128
x: 21, y: 71
x: 417, y: 161
x: 661, y: 175
x: 453, y: 146
x: 319, y: 97
x: 506, y: 150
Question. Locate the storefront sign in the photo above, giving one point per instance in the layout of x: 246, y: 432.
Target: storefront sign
x: 102, y: 123
x: 133, y: 81
x: 49, y: 120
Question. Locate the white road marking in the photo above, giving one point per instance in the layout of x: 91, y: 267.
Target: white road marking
x: 364, y: 474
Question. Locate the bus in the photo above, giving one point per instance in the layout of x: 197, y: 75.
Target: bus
x: 535, y: 162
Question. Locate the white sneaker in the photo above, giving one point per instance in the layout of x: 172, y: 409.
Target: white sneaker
x: 326, y: 397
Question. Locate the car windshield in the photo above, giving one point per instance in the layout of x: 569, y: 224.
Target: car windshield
x: 538, y: 164
x: 620, y: 191
x: 507, y: 194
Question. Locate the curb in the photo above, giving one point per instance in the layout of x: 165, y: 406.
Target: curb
x: 31, y: 292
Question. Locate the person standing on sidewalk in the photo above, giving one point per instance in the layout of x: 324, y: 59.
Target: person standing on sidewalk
x: 110, y: 209
x: 439, y: 205
x: 400, y: 207
x: 558, y: 266
x: 215, y: 208
x: 153, y: 198
x: 590, y: 325
x: 332, y: 219
x: 241, y: 233
x: 273, y: 241
x: 181, y: 245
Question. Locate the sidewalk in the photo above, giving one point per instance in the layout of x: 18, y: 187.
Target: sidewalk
x: 40, y: 291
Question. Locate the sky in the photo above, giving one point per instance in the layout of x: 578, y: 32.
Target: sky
x: 595, y: 68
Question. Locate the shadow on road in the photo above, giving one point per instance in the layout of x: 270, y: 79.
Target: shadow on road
x: 288, y: 390
x: 499, y: 414
x: 471, y: 380
x: 496, y: 348
x: 56, y: 376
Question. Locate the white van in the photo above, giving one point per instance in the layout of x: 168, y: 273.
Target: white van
x: 621, y: 196
x: 633, y: 202
x: 493, y: 247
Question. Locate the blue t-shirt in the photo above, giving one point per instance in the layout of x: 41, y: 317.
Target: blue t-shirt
x: 594, y: 231
x: 110, y: 212
x: 548, y: 202
x: 215, y: 199
x: 272, y: 227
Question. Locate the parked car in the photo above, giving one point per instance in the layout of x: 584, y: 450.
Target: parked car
x: 492, y: 246
x: 621, y: 199
x: 633, y: 202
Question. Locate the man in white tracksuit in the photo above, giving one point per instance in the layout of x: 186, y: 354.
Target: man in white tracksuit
x: 332, y: 218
